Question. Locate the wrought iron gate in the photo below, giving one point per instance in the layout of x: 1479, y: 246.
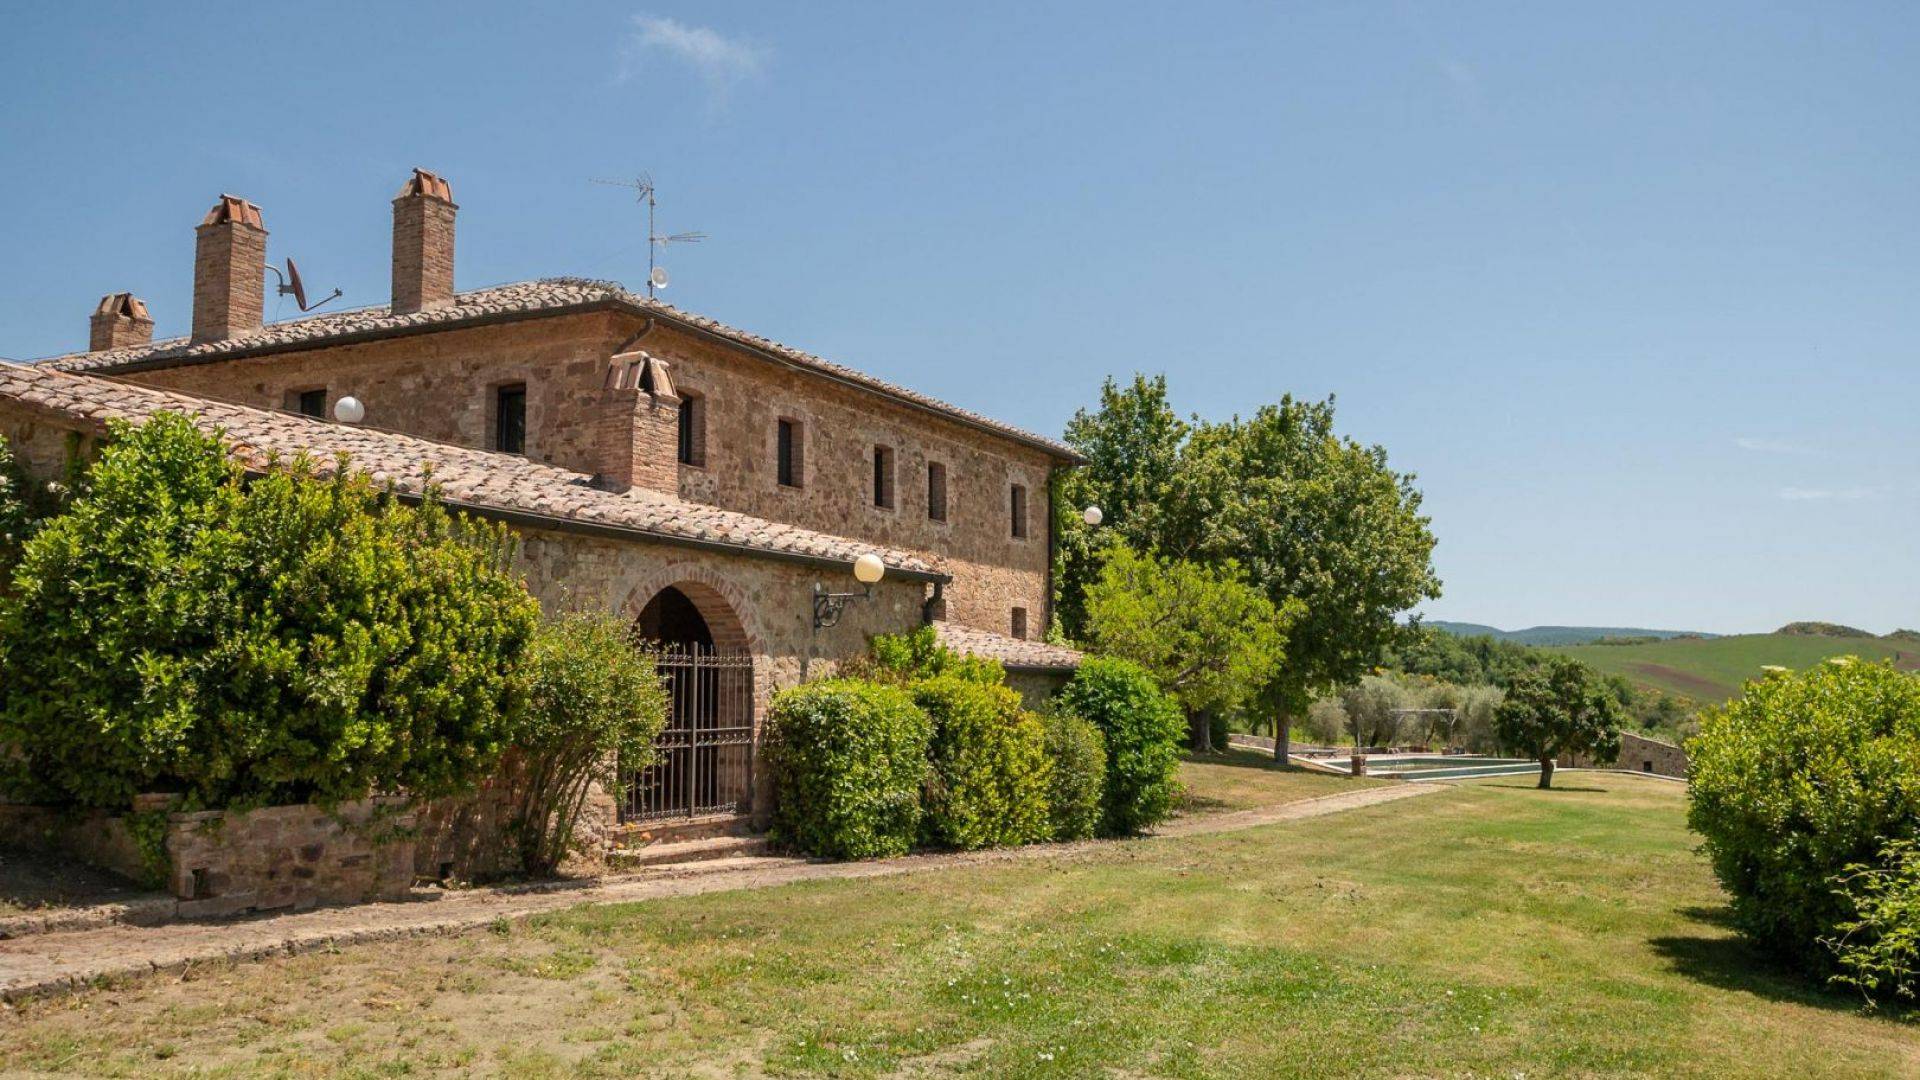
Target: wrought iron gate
x: 704, y: 763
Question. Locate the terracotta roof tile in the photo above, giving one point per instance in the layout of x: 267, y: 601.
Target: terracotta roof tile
x: 1010, y: 651
x: 548, y: 296
x: 478, y: 479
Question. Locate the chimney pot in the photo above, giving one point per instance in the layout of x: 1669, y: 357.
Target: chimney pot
x: 423, y: 215
x: 120, y: 320
x: 229, y: 271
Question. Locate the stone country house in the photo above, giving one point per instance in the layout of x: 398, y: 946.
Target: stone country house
x: 705, y: 481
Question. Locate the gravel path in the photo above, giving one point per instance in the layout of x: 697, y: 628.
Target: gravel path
x: 47, y: 963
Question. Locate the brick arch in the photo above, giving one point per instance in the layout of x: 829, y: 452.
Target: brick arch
x: 731, y: 621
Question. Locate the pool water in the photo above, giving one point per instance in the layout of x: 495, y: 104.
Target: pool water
x: 1447, y: 767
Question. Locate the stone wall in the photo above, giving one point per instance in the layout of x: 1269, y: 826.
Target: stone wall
x: 1639, y: 754
x: 442, y: 385
x: 1037, y: 687
x: 224, y: 863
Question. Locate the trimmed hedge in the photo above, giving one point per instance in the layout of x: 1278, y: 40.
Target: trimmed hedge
x: 1801, y: 778
x: 1144, y: 731
x: 988, y: 771
x: 846, y: 759
x: 1079, y: 756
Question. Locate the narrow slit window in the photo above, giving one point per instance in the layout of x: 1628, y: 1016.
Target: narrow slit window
x: 1018, y: 508
x: 510, y: 419
x: 693, y: 429
x: 790, y: 453
x: 311, y: 403
x: 1019, y: 623
x: 936, y: 491
x: 883, y: 477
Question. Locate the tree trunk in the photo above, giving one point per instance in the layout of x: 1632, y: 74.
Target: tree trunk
x: 1201, y: 726
x: 1546, y: 772
x: 1282, y: 738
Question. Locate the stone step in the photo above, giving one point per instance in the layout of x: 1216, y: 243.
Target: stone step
x: 685, y: 851
x: 145, y: 910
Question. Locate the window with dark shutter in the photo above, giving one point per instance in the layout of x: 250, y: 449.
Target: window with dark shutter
x: 1019, y: 623
x: 312, y: 403
x: 883, y: 477
x: 510, y: 419
x: 1019, y: 509
x: 693, y: 429
x: 790, y: 453
x: 936, y: 491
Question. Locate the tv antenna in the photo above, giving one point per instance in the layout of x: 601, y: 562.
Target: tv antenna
x: 291, y: 285
x: 656, y: 275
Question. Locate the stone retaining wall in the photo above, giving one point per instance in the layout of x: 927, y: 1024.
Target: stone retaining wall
x: 223, y: 863
x: 1638, y: 754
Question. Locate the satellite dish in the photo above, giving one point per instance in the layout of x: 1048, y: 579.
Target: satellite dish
x: 658, y: 278
x: 291, y: 285
x: 293, y: 282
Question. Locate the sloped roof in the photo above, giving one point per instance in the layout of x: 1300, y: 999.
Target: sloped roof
x: 501, y: 485
x: 1012, y: 652
x: 525, y: 299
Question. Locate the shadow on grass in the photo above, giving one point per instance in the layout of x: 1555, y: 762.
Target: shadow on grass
x: 1245, y: 759
x: 1729, y: 961
x: 1534, y: 785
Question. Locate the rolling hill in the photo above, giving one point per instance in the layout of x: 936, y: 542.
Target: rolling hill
x: 1555, y: 635
x: 1710, y: 671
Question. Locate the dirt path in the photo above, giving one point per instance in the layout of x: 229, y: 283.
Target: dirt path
x: 47, y: 963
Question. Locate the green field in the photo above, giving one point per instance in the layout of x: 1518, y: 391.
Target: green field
x: 1486, y: 930
x: 1712, y: 671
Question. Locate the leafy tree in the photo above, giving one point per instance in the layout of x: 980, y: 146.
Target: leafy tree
x: 1204, y: 633
x: 1369, y: 708
x: 1560, y: 709
x: 1316, y: 520
x: 595, y: 704
x: 297, y: 638
x: 1132, y: 445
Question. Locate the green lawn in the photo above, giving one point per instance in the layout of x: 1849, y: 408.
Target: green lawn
x: 1711, y: 671
x: 1487, y: 930
x: 1247, y: 779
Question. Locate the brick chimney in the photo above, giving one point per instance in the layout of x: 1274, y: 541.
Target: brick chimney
x: 637, y: 427
x: 229, y: 271
x: 423, y: 244
x: 120, y: 320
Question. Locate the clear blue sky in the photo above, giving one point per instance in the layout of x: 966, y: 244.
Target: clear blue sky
x: 1634, y: 288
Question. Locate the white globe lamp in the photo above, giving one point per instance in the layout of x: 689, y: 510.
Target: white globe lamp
x: 348, y: 410
x: 868, y: 569
x: 1092, y: 515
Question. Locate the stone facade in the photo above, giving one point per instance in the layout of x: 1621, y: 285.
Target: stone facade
x: 443, y: 386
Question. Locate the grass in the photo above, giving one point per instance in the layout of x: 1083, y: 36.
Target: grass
x: 1488, y: 930
x: 1246, y: 779
x: 1711, y: 671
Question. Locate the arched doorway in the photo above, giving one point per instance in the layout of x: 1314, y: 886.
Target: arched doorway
x: 704, y: 763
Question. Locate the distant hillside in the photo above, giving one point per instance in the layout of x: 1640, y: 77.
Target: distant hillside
x: 1711, y: 671
x: 1822, y: 629
x: 1556, y: 635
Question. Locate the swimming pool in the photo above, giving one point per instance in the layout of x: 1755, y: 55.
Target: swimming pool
x: 1447, y: 767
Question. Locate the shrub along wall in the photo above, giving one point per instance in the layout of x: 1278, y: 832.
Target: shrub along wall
x: 994, y: 773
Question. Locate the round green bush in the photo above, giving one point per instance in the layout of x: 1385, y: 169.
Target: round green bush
x: 1079, y: 756
x: 988, y: 769
x: 846, y: 759
x: 292, y: 639
x: 1144, y: 730
x: 1801, y: 777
